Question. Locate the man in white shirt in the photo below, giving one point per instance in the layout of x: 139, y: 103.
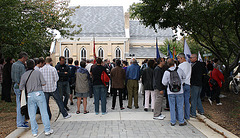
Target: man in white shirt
x: 50, y: 89
x: 187, y: 69
x: 176, y: 99
x: 88, y: 67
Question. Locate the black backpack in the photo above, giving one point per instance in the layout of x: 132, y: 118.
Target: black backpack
x: 175, y: 81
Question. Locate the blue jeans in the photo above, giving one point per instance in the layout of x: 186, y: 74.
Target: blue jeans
x: 186, y: 89
x: 196, y: 100
x: 58, y: 100
x: 64, y: 90
x: 37, y: 99
x: 100, y: 91
x: 176, y: 101
x: 20, y: 117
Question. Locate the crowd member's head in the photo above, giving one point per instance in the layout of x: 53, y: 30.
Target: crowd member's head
x: 118, y: 62
x: 151, y: 63
x: 62, y: 60
x: 193, y: 58
x: 36, y: 60
x: 91, y: 61
x: 40, y: 62
x: 48, y: 60
x: 125, y: 64
x: 9, y: 60
x: 114, y: 60
x: 23, y: 57
x: 70, y: 61
x: 76, y: 63
x: 83, y: 64
x: 181, y: 57
x: 133, y: 61
x: 170, y: 62
x: 161, y: 62
x: 99, y: 61
x: 145, y: 61
x: 30, y: 64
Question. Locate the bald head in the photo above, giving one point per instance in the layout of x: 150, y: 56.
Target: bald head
x: 170, y: 62
x: 133, y: 61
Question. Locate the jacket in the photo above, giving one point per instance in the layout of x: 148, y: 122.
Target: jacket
x: 218, y: 76
x: 157, y: 78
x: 133, y: 72
x: 147, y: 78
x: 118, y: 77
x: 198, y: 70
x: 82, y: 80
x: 61, y: 69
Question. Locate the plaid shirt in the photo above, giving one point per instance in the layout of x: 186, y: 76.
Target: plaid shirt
x: 51, y: 77
x: 18, y: 68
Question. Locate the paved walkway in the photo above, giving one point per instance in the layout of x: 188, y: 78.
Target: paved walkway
x: 127, y: 123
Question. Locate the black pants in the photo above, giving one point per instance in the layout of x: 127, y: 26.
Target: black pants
x: 58, y: 100
x: 6, y: 91
x: 215, y: 94
x: 114, y: 91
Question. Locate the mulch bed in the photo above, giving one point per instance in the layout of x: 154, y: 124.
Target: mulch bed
x: 227, y: 115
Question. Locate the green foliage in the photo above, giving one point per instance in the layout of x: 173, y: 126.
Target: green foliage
x: 213, y: 24
x: 25, y: 25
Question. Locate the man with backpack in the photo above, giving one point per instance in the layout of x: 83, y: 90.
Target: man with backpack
x: 173, y: 78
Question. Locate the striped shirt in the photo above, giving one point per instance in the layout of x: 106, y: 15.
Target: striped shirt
x: 51, y: 77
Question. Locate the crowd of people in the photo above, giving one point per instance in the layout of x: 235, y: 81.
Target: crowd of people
x: 177, y: 80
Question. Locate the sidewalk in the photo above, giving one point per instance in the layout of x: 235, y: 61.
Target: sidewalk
x: 122, y: 123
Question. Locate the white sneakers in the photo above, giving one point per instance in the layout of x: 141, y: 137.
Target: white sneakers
x: 210, y: 101
x: 161, y: 117
x: 34, y: 135
x: 219, y: 103
x: 68, y: 116
x: 49, y: 132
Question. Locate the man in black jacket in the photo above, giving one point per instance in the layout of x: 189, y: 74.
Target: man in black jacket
x: 158, y: 89
x: 63, y: 84
x: 196, y: 86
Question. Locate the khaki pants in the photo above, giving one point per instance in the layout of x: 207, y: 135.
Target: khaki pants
x: 132, y: 86
x: 158, y: 103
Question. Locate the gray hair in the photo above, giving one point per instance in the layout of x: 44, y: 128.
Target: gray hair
x: 133, y: 61
x: 182, y: 55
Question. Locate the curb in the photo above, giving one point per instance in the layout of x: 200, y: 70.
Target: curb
x: 19, y: 131
x: 216, y: 127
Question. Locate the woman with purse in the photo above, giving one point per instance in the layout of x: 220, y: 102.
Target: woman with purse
x: 32, y: 82
x: 215, y: 83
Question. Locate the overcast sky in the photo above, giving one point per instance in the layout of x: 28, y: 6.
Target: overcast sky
x: 124, y: 3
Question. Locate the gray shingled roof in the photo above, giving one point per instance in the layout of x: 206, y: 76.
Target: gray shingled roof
x: 100, y: 21
x: 145, y: 52
x: 139, y: 31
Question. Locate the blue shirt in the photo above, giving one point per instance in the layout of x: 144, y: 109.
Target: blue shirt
x: 133, y: 72
x: 18, y: 69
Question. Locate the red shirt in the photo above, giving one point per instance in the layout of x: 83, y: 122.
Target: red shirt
x: 218, y: 76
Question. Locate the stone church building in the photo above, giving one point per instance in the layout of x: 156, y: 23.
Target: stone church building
x: 115, y: 36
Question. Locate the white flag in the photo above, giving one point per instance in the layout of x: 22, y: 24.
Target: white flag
x: 199, y: 57
x: 187, y: 51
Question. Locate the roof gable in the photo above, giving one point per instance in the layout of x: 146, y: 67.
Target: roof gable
x: 100, y: 21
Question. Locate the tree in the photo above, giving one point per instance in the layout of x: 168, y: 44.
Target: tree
x: 26, y: 24
x: 214, y: 24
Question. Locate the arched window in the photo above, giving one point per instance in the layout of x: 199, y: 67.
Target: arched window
x: 118, y: 53
x: 100, y: 52
x: 83, y: 54
x: 66, y: 54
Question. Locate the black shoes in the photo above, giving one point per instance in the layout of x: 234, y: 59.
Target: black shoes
x: 129, y: 107
x: 67, y: 108
x: 145, y: 109
x: 183, y: 124
x: 136, y: 107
